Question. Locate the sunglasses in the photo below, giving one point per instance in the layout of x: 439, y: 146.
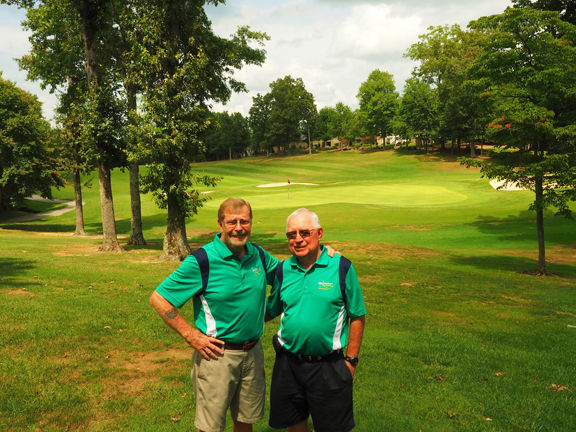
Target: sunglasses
x: 291, y: 235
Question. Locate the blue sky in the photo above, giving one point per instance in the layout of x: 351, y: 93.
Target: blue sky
x: 333, y: 45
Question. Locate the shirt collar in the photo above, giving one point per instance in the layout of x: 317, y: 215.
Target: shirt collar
x: 322, y: 261
x: 225, y: 252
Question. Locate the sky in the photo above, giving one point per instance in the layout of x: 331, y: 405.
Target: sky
x: 333, y: 45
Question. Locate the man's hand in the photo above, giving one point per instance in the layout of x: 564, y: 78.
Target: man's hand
x: 330, y: 251
x: 208, y: 347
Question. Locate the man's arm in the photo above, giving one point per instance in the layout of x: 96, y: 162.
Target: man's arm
x: 355, y: 339
x: 207, y: 346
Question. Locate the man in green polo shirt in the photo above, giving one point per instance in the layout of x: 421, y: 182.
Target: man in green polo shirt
x: 226, y: 279
x: 323, y: 311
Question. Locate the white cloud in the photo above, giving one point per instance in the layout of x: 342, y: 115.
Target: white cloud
x: 333, y: 45
x: 370, y: 31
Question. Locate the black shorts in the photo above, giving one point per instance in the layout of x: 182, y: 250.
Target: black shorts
x: 321, y: 389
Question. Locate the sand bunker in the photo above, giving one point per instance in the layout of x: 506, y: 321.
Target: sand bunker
x: 270, y: 185
x: 499, y: 185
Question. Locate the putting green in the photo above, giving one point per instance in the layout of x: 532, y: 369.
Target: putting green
x: 385, y: 195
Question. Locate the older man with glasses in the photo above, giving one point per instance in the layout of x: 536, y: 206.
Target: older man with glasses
x: 323, y: 313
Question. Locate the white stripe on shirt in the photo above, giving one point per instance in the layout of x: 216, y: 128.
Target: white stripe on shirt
x: 336, y: 340
x: 210, y: 321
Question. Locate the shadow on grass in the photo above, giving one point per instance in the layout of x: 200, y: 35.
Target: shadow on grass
x: 521, y: 228
x: 433, y: 154
x: 38, y: 227
x: 516, y: 264
x: 10, y: 267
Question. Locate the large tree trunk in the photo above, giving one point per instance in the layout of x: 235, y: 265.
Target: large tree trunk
x: 78, y: 203
x: 109, y: 240
x: 136, y: 235
x: 175, y: 245
x: 539, y: 190
x: 90, y: 12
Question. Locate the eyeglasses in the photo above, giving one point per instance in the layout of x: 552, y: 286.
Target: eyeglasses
x: 291, y: 235
x: 233, y: 223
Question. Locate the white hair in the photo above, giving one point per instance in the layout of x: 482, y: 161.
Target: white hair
x: 314, y: 216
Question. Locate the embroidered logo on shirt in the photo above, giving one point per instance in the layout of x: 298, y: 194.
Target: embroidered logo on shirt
x: 325, y: 285
x: 256, y: 271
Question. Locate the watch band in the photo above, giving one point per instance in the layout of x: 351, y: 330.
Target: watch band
x: 352, y: 360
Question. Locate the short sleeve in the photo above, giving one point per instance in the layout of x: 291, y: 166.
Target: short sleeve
x: 274, y: 303
x: 183, y: 284
x: 355, y: 306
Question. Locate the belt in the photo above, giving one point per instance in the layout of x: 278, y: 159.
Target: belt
x: 246, y: 346
x: 334, y: 355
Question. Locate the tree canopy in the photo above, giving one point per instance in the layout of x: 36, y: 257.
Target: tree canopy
x: 27, y: 160
x: 378, y: 102
x: 283, y: 115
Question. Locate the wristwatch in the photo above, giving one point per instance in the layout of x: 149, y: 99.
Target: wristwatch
x: 352, y: 360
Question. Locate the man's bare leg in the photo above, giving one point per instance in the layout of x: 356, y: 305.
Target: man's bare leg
x: 299, y: 427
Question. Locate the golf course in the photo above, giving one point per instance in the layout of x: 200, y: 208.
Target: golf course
x: 460, y: 334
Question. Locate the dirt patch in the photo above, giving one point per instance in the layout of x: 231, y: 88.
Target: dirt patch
x: 414, y: 228
x: 389, y: 250
x: 21, y: 293
x: 515, y: 299
x: 133, y: 371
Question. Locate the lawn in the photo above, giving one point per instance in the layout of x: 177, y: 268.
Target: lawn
x: 459, y: 337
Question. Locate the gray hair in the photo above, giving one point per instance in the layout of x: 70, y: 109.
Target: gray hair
x: 314, y: 216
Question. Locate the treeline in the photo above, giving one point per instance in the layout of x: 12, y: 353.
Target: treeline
x: 136, y: 79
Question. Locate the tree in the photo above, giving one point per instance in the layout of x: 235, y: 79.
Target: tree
x: 445, y: 54
x: 57, y: 61
x: 71, y: 147
x: 230, y: 135
x: 332, y: 122
x: 104, y: 124
x: 291, y: 110
x: 183, y: 66
x: 259, y: 121
x: 419, y: 110
x: 27, y: 164
x: 378, y: 102
x: 527, y: 70
x: 325, y: 125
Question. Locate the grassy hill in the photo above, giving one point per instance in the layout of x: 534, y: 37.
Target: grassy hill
x: 459, y: 337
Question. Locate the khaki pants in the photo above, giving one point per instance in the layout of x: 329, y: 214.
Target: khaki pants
x: 236, y: 381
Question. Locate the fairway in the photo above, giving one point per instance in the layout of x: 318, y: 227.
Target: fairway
x: 459, y: 336
x: 380, y: 194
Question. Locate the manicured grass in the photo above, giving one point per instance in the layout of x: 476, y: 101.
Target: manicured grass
x: 458, y: 338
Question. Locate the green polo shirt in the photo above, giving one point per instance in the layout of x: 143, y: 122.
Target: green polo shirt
x: 232, y: 307
x: 314, y: 315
